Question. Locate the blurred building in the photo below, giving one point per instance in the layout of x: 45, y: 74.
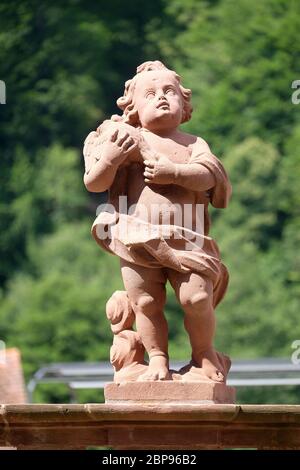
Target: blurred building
x: 12, y: 385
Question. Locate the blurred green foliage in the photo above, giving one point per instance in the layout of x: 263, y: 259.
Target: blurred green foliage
x: 64, y: 66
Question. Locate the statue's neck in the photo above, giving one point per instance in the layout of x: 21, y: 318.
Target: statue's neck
x: 167, y: 133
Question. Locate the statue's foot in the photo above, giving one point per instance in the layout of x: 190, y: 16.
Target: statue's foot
x: 210, y: 364
x: 157, y: 370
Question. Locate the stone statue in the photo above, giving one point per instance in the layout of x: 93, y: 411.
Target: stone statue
x: 160, y: 182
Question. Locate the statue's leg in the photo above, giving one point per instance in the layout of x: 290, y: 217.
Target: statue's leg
x: 195, y: 294
x: 146, y: 291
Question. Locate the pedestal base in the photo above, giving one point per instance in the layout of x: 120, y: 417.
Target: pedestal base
x: 168, y: 392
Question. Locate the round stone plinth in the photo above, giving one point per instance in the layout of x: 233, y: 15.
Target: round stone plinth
x: 169, y: 392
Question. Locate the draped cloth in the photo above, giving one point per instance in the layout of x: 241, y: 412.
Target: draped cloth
x: 166, y: 246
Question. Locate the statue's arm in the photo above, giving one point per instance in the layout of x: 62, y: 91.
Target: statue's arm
x: 193, y: 175
x: 104, y: 159
x: 101, y: 176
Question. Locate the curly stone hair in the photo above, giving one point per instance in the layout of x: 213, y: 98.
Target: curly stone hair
x: 125, y: 102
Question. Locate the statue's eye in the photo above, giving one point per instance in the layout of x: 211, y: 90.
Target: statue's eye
x: 170, y: 91
x: 150, y: 94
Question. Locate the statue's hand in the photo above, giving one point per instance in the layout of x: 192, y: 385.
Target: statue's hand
x: 117, y: 147
x: 146, y: 151
x: 161, y: 171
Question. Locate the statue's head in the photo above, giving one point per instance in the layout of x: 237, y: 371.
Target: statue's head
x: 154, y: 98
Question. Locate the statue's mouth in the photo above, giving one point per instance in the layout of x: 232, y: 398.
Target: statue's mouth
x: 164, y: 105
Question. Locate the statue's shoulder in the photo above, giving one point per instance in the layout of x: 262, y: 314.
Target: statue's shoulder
x: 196, y: 144
x: 200, y: 146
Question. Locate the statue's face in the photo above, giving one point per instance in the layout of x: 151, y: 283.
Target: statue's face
x: 158, y: 100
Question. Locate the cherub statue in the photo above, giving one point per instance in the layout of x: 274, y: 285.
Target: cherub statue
x: 144, y: 158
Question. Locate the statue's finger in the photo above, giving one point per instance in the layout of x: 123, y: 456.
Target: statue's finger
x: 149, y: 163
x: 114, y: 136
x: 122, y: 138
x: 128, y: 143
x: 131, y: 147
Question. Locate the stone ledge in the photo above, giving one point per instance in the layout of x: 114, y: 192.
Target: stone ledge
x: 150, y: 426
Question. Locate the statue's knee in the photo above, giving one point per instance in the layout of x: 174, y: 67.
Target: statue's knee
x: 147, y: 305
x: 199, y: 301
